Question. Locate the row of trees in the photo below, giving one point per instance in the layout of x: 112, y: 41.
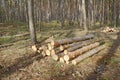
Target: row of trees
x: 86, y: 13
x: 90, y: 11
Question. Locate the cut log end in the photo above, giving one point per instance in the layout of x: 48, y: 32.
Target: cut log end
x: 66, y: 58
x: 34, y: 48
x: 52, y: 43
x: 74, y: 62
x: 61, y: 48
x: 38, y: 51
x: 65, y: 51
x: 52, y: 52
x: 48, y: 52
x: 67, y: 62
x: 62, y: 60
x: 40, y: 48
x: 55, y: 57
x: 43, y: 53
x: 49, y: 46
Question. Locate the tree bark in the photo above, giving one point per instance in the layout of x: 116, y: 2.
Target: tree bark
x: 31, y: 22
x: 76, y: 53
x: 84, y: 15
x: 77, y: 46
x: 70, y: 40
x: 87, y: 54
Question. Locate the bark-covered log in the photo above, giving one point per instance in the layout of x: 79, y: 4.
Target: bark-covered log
x: 79, y: 45
x: 70, y: 40
x: 87, y: 54
x: 76, y: 53
x: 66, y: 46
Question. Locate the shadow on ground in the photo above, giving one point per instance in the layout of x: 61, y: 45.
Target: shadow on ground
x: 19, y: 64
x: 102, y: 63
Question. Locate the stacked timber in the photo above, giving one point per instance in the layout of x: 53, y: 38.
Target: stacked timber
x: 71, y: 50
x: 108, y: 29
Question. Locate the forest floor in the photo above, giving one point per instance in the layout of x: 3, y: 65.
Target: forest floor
x: 19, y: 62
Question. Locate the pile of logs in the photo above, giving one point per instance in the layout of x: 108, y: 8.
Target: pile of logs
x: 71, y: 50
x: 108, y: 29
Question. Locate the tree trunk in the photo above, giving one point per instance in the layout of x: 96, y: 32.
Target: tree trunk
x: 84, y: 15
x: 114, y: 13
x: 31, y: 22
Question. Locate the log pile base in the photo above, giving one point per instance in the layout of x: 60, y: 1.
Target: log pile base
x: 71, y: 50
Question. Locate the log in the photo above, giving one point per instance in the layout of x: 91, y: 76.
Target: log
x: 38, y: 51
x: 79, y: 45
x: 56, y: 57
x: 70, y: 40
x: 49, y: 46
x: 63, y: 47
x: 57, y: 50
x: 44, y: 47
x: 76, y: 53
x: 87, y: 54
x: 53, y: 52
x: 43, y: 53
x: 62, y: 60
x: 48, y: 52
x: 34, y: 48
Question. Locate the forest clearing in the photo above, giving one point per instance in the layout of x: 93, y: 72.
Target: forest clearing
x: 19, y: 61
x: 76, y: 40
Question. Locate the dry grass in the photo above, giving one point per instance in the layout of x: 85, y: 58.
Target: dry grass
x: 18, y: 62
